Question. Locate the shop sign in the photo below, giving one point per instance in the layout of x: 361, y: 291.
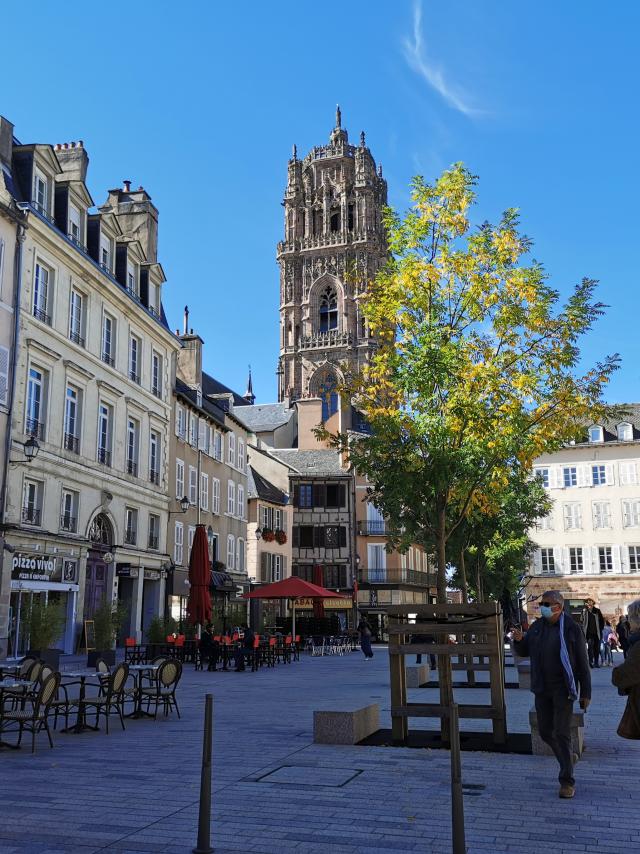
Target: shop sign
x: 329, y: 604
x: 125, y: 570
x: 35, y: 567
x: 151, y: 575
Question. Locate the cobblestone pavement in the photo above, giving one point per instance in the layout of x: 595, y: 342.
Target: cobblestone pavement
x: 137, y: 791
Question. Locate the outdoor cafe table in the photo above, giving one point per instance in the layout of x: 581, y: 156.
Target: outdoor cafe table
x: 138, y: 670
x: 13, y: 684
x: 81, y: 724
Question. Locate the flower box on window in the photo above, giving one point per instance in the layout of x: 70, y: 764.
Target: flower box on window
x: 281, y: 537
x: 268, y: 535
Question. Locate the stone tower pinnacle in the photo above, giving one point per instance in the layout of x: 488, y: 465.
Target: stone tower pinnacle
x: 334, y: 243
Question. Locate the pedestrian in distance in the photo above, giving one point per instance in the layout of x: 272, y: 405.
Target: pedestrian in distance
x: 364, y: 630
x: 606, y: 648
x: 623, y: 631
x: 559, y: 675
x: 626, y: 677
x: 592, y: 626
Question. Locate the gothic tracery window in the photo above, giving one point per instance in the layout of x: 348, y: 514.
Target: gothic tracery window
x: 328, y: 310
x: 327, y: 391
x: 101, y: 531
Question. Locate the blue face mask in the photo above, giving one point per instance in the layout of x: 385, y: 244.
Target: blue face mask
x: 546, y: 611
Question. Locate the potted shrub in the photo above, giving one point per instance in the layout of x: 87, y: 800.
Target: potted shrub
x: 267, y: 535
x: 43, y: 622
x: 281, y: 537
x: 156, y: 631
x: 107, y: 619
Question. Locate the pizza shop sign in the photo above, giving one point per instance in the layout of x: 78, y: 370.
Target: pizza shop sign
x: 33, y: 567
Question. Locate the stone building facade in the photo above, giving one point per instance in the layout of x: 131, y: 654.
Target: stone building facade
x: 92, y: 370
x: 333, y: 246
x: 590, y: 543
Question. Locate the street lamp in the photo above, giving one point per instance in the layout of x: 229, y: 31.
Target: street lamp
x: 184, y: 506
x: 258, y: 533
x: 31, y: 448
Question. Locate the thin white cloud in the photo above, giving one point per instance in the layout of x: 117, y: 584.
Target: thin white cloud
x: 415, y: 54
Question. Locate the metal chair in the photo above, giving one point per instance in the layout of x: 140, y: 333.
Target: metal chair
x: 164, y: 690
x: 32, y: 719
x: 113, y: 698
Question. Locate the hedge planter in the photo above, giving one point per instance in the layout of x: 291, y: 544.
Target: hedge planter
x: 49, y: 656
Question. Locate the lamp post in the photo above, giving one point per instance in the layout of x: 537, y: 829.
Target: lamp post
x: 354, y: 590
x: 31, y: 448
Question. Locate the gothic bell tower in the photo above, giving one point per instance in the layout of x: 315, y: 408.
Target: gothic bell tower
x: 333, y: 245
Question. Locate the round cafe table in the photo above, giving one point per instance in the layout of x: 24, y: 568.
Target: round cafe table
x: 138, y: 670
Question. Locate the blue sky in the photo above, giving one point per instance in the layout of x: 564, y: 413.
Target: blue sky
x: 200, y: 103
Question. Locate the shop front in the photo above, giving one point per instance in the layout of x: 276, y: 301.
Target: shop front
x: 340, y: 609
x: 50, y: 577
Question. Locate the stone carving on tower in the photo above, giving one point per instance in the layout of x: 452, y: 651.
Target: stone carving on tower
x: 334, y: 243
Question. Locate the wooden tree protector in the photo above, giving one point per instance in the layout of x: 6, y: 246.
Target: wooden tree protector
x: 479, y: 627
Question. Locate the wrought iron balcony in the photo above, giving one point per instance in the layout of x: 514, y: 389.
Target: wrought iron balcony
x: 108, y: 359
x: 41, y: 314
x: 156, y: 390
x: 106, y: 267
x: 132, y: 467
x: 31, y: 515
x: 396, y: 575
x: 67, y: 522
x: 153, y: 542
x: 104, y: 457
x: 77, y: 242
x: 130, y: 536
x: 372, y: 529
x: 76, y: 338
x: 154, y: 476
x: 33, y: 427
x: 71, y: 443
x: 134, y: 376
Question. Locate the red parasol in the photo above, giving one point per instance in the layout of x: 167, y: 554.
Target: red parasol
x: 291, y: 588
x: 199, y: 602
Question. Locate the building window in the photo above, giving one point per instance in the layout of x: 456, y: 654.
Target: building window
x: 154, y: 299
x: 231, y: 449
x: 277, y: 518
x: 596, y: 434
x: 40, y: 193
x: 543, y: 475
x: 193, y: 485
x: 131, y: 526
x: 305, y: 536
x: 335, y: 495
x: 156, y: 374
x: 154, y: 457
x: 305, y: 495
x: 190, y: 536
x: 76, y: 318
x: 69, y: 511
x: 179, y: 479
x: 74, y: 229
x: 240, y: 455
x: 193, y: 430
x: 41, y: 293
x: 133, y: 444
x: 178, y: 544
x: 36, y: 395
x: 328, y: 310
x: 329, y: 395
x: 218, y: 452
x: 575, y: 559
x: 547, y: 562
x: 634, y: 558
x: 132, y: 280
x: 605, y: 558
x: 105, y: 421
x: 625, y: 432
x: 105, y: 253
x: 32, y: 502
x: 240, y: 556
x: 631, y: 513
x: 628, y: 474
x: 240, y: 501
x: 601, y: 514
x: 204, y: 491
x: 154, y: 532
x: 231, y: 498
x: 570, y: 476
x: 72, y: 420
x: 108, y: 340
x: 572, y: 517
x: 203, y: 432
x: 215, y: 496
x: 134, y: 359
x: 180, y: 423
x: 598, y: 475
x: 231, y: 552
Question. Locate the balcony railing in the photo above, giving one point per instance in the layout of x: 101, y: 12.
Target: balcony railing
x: 106, y: 267
x: 134, y: 376
x: 33, y: 427
x: 156, y: 390
x: 31, y: 515
x: 41, y: 314
x: 133, y: 294
x: 396, y: 575
x: 132, y: 467
x: 334, y: 338
x: 108, y: 359
x: 153, y: 541
x: 76, y: 338
x: 154, y: 476
x: 68, y: 523
x: 130, y: 536
x: 104, y: 457
x: 372, y: 529
x: 72, y: 443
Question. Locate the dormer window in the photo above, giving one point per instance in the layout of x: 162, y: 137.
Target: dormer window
x: 596, y: 434
x: 40, y: 193
x: 132, y: 280
x: 73, y: 228
x: 328, y: 310
x: 105, y: 253
x: 625, y: 432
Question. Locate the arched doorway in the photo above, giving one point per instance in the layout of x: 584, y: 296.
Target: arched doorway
x: 95, y: 588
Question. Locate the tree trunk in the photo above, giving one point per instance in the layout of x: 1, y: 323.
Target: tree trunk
x: 444, y: 661
x: 471, y: 674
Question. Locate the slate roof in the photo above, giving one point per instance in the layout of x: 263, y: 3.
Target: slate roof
x: 319, y: 462
x: 629, y: 413
x: 260, y: 487
x: 213, y: 386
x: 265, y: 416
x: 208, y: 407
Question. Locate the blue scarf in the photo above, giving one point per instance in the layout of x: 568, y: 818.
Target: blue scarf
x: 566, y: 662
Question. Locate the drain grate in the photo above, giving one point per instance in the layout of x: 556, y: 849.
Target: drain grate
x: 305, y: 775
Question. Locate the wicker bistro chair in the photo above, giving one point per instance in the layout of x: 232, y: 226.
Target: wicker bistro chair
x: 113, y: 697
x: 103, y: 669
x: 163, y: 691
x: 35, y: 718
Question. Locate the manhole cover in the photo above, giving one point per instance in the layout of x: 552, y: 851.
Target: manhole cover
x: 300, y: 775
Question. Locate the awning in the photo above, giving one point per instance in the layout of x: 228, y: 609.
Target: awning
x: 222, y: 581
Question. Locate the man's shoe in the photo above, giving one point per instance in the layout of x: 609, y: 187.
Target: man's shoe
x: 566, y: 791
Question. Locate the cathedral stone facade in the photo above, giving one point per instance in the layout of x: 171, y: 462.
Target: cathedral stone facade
x: 334, y: 244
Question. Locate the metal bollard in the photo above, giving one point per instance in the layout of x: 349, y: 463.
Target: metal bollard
x: 457, y: 801
x: 203, y: 845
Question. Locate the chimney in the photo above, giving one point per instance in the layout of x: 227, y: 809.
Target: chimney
x: 126, y: 186
x: 186, y: 320
x: 73, y: 160
x: 6, y: 141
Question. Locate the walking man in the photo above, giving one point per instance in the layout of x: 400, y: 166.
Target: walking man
x: 559, y: 675
x: 592, y: 626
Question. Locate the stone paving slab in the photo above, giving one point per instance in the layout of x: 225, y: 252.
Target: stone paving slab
x: 136, y: 792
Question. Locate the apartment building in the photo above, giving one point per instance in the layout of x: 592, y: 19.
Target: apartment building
x: 590, y: 543
x: 86, y: 500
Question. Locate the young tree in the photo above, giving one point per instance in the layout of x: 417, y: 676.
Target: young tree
x: 476, y: 368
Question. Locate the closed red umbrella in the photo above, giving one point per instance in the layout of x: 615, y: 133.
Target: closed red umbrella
x: 199, y: 602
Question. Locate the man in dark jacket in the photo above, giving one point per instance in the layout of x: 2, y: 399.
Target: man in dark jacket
x: 592, y: 626
x: 626, y: 677
x: 559, y: 675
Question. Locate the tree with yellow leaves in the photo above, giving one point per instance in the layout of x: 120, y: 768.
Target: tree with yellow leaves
x: 476, y: 370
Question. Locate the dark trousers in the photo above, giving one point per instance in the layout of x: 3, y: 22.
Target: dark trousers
x: 554, y: 724
x: 432, y: 660
x: 365, y: 646
x: 593, y: 645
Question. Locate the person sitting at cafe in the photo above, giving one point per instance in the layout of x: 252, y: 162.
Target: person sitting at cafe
x: 209, y: 648
x: 245, y: 649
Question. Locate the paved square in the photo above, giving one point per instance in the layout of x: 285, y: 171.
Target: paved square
x: 299, y: 775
